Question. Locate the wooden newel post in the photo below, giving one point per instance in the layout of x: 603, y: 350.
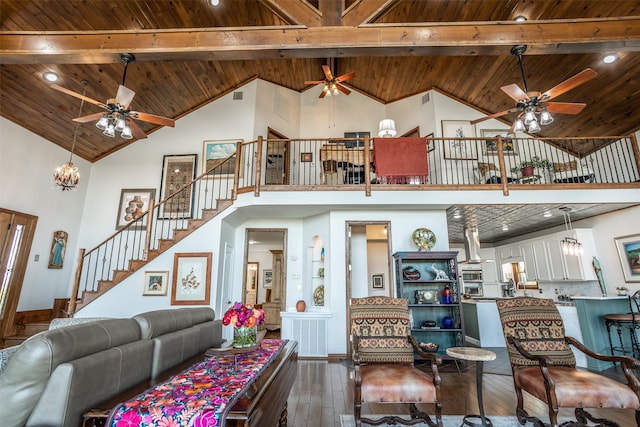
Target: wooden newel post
x: 147, y: 239
x: 503, y: 167
x: 635, y: 149
x: 76, y: 284
x: 258, y: 163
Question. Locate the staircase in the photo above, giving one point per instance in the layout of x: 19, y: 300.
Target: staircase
x: 28, y: 330
x: 155, y: 231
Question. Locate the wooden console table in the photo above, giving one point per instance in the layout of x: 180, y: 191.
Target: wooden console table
x: 263, y: 404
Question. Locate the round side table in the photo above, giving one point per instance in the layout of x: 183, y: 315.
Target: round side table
x: 478, y: 355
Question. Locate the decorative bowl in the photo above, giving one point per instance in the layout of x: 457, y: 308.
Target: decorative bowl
x: 429, y: 347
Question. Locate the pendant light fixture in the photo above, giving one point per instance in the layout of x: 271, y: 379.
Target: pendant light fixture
x: 67, y: 176
x: 569, y: 245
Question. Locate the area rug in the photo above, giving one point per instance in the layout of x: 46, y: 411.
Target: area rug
x: 447, y: 421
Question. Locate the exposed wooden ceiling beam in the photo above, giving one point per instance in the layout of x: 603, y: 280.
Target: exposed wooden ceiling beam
x: 295, y: 11
x: 362, y: 12
x: 468, y: 39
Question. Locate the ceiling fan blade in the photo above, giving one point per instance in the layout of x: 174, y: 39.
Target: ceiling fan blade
x: 124, y: 96
x: 327, y: 72
x: 565, y: 107
x: 343, y: 89
x: 494, y: 115
x: 313, y: 82
x: 324, y: 92
x: 151, y: 118
x: 79, y: 96
x: 345, y: 77
x: 89, y: 118
x: 572, y: 82
x: 514, y: 91
x: 135, y: 130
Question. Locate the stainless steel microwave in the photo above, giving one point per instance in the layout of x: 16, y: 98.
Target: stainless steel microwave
x: 474, y: 291
x: 472, y: 275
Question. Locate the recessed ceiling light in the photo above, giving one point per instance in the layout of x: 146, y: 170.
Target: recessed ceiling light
x: 50, y: 76
x: 520, y: 18
x: 214, y: 2
x: 610, y: 58
x: 547, y: 214
x: 505, y: 227
x: 456, y: 214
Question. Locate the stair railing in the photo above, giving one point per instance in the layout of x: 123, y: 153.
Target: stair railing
x: 141, y: 239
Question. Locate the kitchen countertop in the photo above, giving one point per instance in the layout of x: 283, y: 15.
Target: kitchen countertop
x: 602, y: 298
x: 490, y: 300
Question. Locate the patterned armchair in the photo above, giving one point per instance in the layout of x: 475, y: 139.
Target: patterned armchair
x: 383, y: 353
x: 544, y: 366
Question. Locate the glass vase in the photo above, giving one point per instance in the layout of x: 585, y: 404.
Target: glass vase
x: 245, y: 336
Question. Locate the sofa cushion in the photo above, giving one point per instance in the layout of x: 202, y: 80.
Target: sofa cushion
x: 483, y: 168
x: 161, y: 322
x: 29, y: 369
x: 77, y: 386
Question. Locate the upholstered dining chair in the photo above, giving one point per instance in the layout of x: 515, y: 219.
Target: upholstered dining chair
x: 544, y: 366
x: 383, y: 355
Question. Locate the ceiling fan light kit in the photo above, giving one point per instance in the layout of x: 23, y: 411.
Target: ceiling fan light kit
x: 120, y: 118
x: 331, y: 84
x: 534, y: 108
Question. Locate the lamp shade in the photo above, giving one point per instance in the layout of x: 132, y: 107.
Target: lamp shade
x: 387, y: 128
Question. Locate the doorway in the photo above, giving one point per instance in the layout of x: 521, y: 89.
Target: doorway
x: 277, y: 167
x: 16, y: 234
x: 264, y: 279
x: 369, y: 266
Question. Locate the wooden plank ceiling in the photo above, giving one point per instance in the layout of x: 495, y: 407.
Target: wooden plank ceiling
x: 189, y: 53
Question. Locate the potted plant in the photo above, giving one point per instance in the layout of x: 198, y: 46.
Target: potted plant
x: 526, y: 167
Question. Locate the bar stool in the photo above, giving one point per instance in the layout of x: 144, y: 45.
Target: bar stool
x: 629, y: 321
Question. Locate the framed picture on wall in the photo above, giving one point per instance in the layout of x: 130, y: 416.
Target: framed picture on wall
x: 191, y: 278
x: 629, y: 254
x: 134, y: 203
x: 454, y: 147
x: 177, y: 173
x: 490, y: 146
x: 58, y: 249
x: 219, y: 158
x: 267, y: 280
x: 377, y: 281
x: 156, y: 283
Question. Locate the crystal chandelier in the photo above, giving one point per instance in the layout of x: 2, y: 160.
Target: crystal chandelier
x: 67, y: 176
x: 569, y: 245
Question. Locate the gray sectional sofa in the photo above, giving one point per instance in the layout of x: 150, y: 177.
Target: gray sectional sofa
x: 56, y: 376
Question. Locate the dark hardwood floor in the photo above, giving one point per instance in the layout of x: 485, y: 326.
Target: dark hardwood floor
x: 323, y: 391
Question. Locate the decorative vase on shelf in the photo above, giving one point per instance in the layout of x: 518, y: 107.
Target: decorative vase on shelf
x: 301, y: 306
x: 245, y: 336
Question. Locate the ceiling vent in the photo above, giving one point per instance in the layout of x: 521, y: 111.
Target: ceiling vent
x: 425, y: 98
x: 237, y: 96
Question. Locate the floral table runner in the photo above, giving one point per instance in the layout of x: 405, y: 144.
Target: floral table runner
x: 200, y: 396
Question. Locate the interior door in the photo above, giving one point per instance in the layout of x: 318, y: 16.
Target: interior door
x: 16, y: 234
x: 277, y: 157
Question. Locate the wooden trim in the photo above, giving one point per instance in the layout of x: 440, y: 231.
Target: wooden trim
x: 191, y: 44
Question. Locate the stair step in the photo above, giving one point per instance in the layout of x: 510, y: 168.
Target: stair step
x: 15, y: 340
x: 34, y: 328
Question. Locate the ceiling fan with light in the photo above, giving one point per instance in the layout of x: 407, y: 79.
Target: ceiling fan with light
x: 332, y: 84
x: 531, y: 103
x: 119, y: 117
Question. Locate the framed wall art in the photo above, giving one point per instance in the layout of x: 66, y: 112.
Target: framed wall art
x: 267, y: 280
x: 214, y: 154
x: 629, y: 253
x: 155, y: 283
x: 252, y: 276
x: 456, y: 149
x: 134, y: 203
x: 490, y: 146
x: 58, y: 249
x: 306, y: 157
x: 177, y: 171
x: 191, y: 278
x: 377, y: 281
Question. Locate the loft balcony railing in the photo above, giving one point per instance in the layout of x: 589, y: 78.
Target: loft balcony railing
x: 348, y: 164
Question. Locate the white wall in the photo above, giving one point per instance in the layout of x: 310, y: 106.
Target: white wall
x: 27, y: 162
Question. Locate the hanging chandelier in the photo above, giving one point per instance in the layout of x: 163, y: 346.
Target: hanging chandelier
x: 67, y: 176
x: 569, y: 245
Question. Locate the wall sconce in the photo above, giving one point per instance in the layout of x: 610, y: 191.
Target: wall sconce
x: 387, y: 128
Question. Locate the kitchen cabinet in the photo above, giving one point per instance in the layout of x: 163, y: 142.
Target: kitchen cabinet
x: 536, y: 263
x: 489, y: 268
x: 422, y: 278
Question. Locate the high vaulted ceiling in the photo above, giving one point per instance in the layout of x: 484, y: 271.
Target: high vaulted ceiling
x: 189, y: 53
